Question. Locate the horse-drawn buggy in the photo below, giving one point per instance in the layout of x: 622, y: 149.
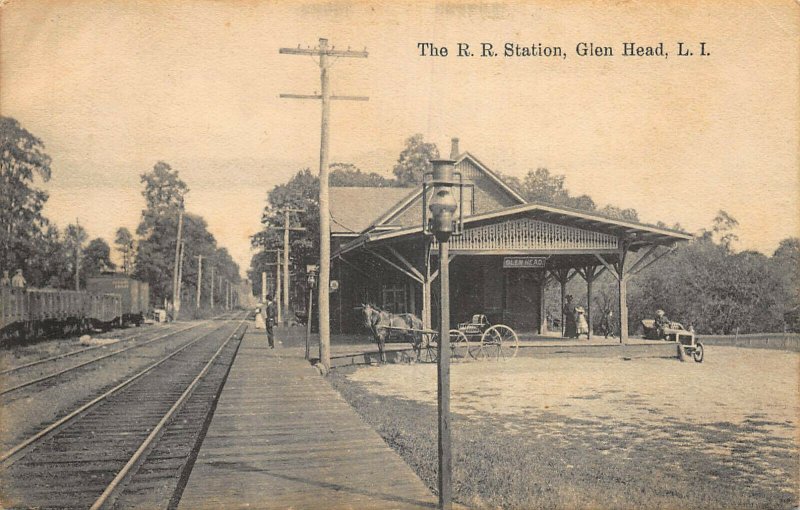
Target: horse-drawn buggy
x: 476, y: 339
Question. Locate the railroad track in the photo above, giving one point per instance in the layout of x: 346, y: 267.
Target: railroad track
x: 48, y: 377
x: 19, y: 372
x: 68, y: 354
x: 87, y: 458
x: 75, y: 352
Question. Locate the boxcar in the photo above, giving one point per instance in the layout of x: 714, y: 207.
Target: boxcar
x: 27, y: 313
x: 134, y: 295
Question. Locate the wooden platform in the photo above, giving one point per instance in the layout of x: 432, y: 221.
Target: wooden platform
x: 281, y: 437
x: 544, y: 347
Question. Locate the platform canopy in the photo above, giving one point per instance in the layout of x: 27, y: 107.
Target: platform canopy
x: 534, y: 228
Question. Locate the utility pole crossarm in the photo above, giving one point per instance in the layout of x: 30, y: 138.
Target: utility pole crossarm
x: 317, y: 96
x: 327, y: 52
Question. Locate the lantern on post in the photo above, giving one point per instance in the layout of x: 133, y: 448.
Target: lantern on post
x: 311, y: 278
x: 439, y: 217
x: 444, y: 221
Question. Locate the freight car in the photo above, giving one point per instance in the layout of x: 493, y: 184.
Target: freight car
x: 27, y: 313
x: 134, y: 295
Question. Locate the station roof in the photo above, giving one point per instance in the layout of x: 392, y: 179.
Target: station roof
x: 638, y: 234
x: 354, y: 209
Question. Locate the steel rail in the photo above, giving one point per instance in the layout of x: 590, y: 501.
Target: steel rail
x: 70, y: 353
x: 137, y: 456
x: 6, y: 456
x: 94, y: 360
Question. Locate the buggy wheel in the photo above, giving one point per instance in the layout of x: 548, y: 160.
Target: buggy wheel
x: 430, y: 348
x: 501, y: 340
x: 698, y: 352
x: 459, y: 345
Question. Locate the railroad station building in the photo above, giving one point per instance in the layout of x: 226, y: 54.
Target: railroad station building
x: 509, y: 251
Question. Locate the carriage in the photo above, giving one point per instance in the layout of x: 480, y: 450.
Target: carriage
x: 480, y: 339
x: 476, y: 339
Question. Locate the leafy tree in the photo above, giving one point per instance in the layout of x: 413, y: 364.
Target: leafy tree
x: 347, y: 174
x: 164, y: 192
x: 22, y: 159
x: 542, y: 186
x: 74, y: 238
x: 722, y: 229
x: 615, y: 212
x: 414, y: 161
x: 785, y: 266
x: 125, y: 245
x: 50, y: 265
x: 96, y: 258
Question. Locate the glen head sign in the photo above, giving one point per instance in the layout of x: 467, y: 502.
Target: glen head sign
x: 524, y: 262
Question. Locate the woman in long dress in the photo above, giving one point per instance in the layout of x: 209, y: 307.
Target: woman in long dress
x: 570, y: 331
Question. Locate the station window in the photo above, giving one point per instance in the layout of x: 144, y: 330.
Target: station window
x: 394, y: 298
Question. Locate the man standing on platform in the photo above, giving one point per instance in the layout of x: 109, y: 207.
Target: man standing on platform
x: 269, y: 313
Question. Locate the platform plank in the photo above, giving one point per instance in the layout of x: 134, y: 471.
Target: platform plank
x: 281, y: 437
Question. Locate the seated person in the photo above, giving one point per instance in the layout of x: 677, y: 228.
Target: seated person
x: 662, y: 323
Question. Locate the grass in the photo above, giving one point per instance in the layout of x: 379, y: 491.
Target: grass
x: 547, y: 460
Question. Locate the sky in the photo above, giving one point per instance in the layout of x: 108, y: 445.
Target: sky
x: 112, y: 87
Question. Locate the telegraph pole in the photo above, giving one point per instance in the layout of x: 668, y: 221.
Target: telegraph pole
x: 263, y: 286
x: 77, y: 254
x: 286, y: 229
x: 324, y: 53
x: 199, y: 277
x: 212, y: 287
x: 175, y: 297
x: 177, y: 303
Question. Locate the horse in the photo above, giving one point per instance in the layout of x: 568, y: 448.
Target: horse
x: 382, y: 324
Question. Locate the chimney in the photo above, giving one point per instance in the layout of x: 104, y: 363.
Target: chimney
x: 454, y: 149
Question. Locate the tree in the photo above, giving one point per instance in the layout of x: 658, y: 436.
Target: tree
x: 619, y: 213
x: 785, y: 266
x: 96, y: 258
x: 347, y: 174
x: 74, y: 238
x: 541, y: 186
x: 22, y: 159
x: 706, y: 284
x: 722, y: 229
x: 164, y: 192
x: 50, y: 265
x: 125, y: 243
x: 414, y: 161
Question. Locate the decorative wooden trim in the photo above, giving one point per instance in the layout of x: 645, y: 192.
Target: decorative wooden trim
x: 527, y: 235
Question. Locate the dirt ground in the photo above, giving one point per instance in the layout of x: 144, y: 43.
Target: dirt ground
x: 731, y: 385
x: 731, y: 421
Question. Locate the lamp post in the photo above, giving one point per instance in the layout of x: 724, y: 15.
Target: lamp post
x: 442, y: 223
x: 312, y: 271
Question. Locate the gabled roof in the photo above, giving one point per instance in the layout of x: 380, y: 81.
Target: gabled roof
x: 400, y: 206
x: 354, y: 209
x: 639, y: 234
x: 493, y: 176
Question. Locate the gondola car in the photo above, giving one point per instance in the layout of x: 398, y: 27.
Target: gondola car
x: 27, y: 313
x: 134, y: 295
